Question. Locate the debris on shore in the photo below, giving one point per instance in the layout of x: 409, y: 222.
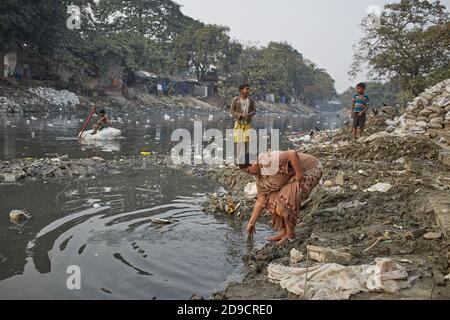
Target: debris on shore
x: 397, y: 221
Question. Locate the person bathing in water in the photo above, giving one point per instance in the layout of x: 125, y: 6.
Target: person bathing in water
x: 284, y: 180
x: 102, y: 123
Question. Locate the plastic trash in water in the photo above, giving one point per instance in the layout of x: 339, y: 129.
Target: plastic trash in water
x: 107, y: 134
x: 161, y: 221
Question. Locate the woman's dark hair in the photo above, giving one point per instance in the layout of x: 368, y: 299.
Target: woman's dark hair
x: 243, y: 86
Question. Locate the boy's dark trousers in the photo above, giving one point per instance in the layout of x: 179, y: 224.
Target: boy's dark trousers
x: 359, y: 121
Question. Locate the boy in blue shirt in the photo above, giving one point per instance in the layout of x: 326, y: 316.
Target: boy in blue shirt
x: 359, y: 110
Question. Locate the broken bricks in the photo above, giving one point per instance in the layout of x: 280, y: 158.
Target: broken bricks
x: 296, y: 256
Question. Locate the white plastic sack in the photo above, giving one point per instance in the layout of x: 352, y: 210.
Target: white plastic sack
x: 250, y: 189
x: 335, y: 282
x: 106, y: 134
x: 380, y: 187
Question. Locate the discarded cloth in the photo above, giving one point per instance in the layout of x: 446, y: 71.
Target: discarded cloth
x: 336, y: 282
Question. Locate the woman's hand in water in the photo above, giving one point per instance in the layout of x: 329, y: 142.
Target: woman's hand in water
x: 251, y: 230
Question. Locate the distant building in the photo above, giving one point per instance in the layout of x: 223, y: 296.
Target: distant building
x: 9, y: 62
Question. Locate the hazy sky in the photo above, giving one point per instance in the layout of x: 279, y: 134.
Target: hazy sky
x: 324, y: 31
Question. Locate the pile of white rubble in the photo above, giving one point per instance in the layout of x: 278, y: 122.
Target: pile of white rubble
x: 430, y: 110
x: 7, y: 105
x: 56, y: 98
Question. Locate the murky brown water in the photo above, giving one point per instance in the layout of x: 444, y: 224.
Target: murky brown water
x: 104, y: 226
x: 120, y: 252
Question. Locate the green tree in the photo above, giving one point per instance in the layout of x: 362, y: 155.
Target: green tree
x: 387, y: 93
x: 412, y: 44
x: 280, y: 69
x: 160, y: 20
x: 36, y: 25
x: 201, y: 47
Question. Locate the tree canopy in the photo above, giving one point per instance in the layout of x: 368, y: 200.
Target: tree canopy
x: 411, y: 44
x: 154, y: 35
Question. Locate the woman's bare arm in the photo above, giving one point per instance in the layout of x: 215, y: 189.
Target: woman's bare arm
x: 259, y: 207
x: 295, y: 162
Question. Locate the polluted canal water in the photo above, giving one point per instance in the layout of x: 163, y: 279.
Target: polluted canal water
x: 104, y: 227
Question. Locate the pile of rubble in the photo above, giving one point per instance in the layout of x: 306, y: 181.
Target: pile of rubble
x: 430, y: 110
x: 62, y: 99
x: 62, y: 169
x: 9, y: 106
x: 383, y: 146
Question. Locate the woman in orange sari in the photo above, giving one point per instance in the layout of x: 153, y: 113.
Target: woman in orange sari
x: 284, y: 181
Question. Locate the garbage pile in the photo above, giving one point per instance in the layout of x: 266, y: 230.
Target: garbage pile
x: 430, y: 110
x: 332, y: 281
x: 60, y: 168
x: 302, y: 138
x: 62, y: 99
x: 7, y: 105
x: 383, y: 146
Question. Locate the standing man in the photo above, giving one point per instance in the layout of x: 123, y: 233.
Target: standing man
x: 243, y: 110
x: 359, y: 110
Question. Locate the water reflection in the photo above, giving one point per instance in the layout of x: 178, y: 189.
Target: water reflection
x: 38, y: 135
x: 104, y: 227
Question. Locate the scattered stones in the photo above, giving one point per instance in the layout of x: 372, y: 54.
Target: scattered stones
x: 296, y: 256
x: 432, y: 236
x: 328, y: 184
x: 15, y: 176
x: 7, y: 105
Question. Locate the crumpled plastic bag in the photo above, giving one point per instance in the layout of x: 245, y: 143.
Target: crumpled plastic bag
x: 336, y: 282
x: 380, y: 187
